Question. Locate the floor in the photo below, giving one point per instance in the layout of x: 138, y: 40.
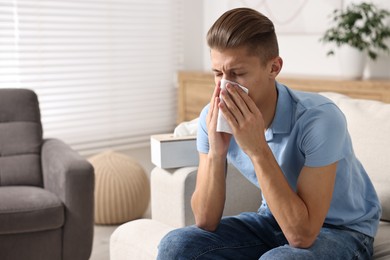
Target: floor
x: 102, y: 233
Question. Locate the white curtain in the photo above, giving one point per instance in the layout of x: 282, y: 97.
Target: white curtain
x: 104, y: 70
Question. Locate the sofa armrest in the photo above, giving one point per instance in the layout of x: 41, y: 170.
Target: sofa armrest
x: 172, y: 190
x: 71, y: 178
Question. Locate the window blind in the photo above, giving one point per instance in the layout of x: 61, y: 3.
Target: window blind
x: 104, y: 71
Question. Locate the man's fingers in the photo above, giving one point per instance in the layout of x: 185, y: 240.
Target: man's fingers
x: 234, y: 102
x: 216, y: 93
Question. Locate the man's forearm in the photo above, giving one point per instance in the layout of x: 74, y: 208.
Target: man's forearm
x: 208, y: 199
x: 287, y: 207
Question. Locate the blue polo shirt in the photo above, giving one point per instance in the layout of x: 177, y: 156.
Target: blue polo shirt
x: 310, y: 130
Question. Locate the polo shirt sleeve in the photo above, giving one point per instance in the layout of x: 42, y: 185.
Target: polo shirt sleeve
x: 202, y: 139
x: 324, y: 135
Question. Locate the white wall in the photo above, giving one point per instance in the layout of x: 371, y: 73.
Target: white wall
x: 299, y: 44
x: 192, y: 31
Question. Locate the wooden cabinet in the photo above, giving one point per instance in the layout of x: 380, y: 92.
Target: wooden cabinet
x: 196, y: 89
x: 363, y: 89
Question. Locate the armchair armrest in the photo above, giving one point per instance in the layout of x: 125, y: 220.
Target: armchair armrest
x: 172, y: 190
x: 71, y: 178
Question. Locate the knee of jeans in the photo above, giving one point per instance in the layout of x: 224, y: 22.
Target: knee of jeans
x: 172, y: 244
x: 287, y: 252
x: 166, y: 243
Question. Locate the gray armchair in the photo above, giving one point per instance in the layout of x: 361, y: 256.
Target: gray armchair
x: 46, y: 189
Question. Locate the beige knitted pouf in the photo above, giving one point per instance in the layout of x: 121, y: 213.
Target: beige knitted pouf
x: 122, y: 189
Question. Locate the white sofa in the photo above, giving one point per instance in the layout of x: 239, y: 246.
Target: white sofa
x: 369, y: 126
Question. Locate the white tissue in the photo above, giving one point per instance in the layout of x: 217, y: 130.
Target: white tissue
x: 222, y: 124
x: 186, y: 128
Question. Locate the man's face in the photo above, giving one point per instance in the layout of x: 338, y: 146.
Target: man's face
x: 247, y: 70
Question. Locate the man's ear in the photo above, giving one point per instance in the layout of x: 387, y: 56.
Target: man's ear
x: 276, y: 66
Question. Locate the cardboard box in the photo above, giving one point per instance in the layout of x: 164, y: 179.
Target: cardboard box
x: 173, y: 152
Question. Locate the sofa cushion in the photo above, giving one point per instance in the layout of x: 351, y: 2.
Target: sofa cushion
x: 20, y: 138
x: 137, y: 239
x: 369, y: 126
x: 382, y: 242
x: 28, y: 209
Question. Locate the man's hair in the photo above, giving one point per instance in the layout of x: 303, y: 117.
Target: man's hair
x: 245, y: 27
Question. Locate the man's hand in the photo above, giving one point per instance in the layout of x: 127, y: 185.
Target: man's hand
x: 244, y: 118
x: 219, y: 142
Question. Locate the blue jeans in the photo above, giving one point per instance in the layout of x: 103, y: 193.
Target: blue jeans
x: 253, y: 235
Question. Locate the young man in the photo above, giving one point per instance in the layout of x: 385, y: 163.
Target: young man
x: 318, y: 202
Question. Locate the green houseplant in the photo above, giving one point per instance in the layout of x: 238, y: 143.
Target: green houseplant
x: 361, y: 26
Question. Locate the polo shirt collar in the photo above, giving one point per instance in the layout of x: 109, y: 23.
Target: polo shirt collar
x: 281, y: 124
